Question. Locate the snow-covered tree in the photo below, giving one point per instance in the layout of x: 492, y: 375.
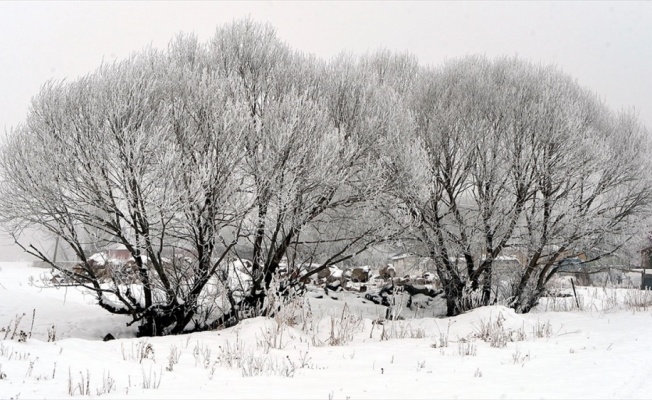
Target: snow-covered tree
x: 311, y: 153
x: 187, y: 155
x: 199, y: 154
x: 501, y: 151
x: 592, y: 184
x: 147, y: 151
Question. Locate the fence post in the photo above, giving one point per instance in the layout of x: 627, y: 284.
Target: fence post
x: 575, y: 294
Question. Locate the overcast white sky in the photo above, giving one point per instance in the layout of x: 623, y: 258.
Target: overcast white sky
x: 606, y: 46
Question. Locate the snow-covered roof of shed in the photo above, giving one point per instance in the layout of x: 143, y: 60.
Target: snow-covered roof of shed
x: 116, y: 246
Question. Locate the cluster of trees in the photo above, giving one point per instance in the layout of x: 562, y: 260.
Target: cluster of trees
x: 512, y: 157
x: 202, y: 149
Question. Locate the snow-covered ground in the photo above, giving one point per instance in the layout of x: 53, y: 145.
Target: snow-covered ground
x: 328, y: 351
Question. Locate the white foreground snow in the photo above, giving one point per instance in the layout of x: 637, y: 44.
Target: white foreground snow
x: 600, y: 352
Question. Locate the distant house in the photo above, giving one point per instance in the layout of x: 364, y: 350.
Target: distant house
x: 589, y: 268
x: 571, y: 265
x: 404, y: 263
x: 505, y: 267
x: 118, y: 251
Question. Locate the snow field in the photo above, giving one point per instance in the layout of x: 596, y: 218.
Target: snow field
x: 328, y: 349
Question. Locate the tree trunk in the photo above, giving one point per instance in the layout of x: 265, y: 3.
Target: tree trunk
x: 453, y: 291
x: 486, y: 286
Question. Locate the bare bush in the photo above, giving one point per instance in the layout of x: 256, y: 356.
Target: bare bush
x: 108, y: 384
x: 638, y: 300
x: 81, y: 387
x: 344, y: 328
x: 466, y: 348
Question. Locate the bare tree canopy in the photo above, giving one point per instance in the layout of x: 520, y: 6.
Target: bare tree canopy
x: 507, y: 155
x: 209, y: 161
x: 186, y: 155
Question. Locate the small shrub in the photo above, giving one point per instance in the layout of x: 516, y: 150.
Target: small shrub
x: 82, y: 387
x: 146, y: 352
x: 256, y: 365
x: 610, y: 300
x: 443, y: 337
x: 518, y: 357
x: 272, y: 336
x: 202, y: 355
x: 493, y: 332
x: 344, y: 328
x: 52, y: 334
x: 519, y: 335
x: 235, y: 356
x: 30, y: 369
x: 304, y: 361
x: 142, y: 350
x: 16, y: 334
x: 497, y: 335
x: 149, y: 381
x: 173, y: 358
x: 542, y: 330
x: 108, y: 384
x: 638, y: 300
x: 231, y: 354
x: 285, y: 313
x: 401, y: 330
x: 565, y: 304
x: 253, y: 366
x: 466, y: 348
